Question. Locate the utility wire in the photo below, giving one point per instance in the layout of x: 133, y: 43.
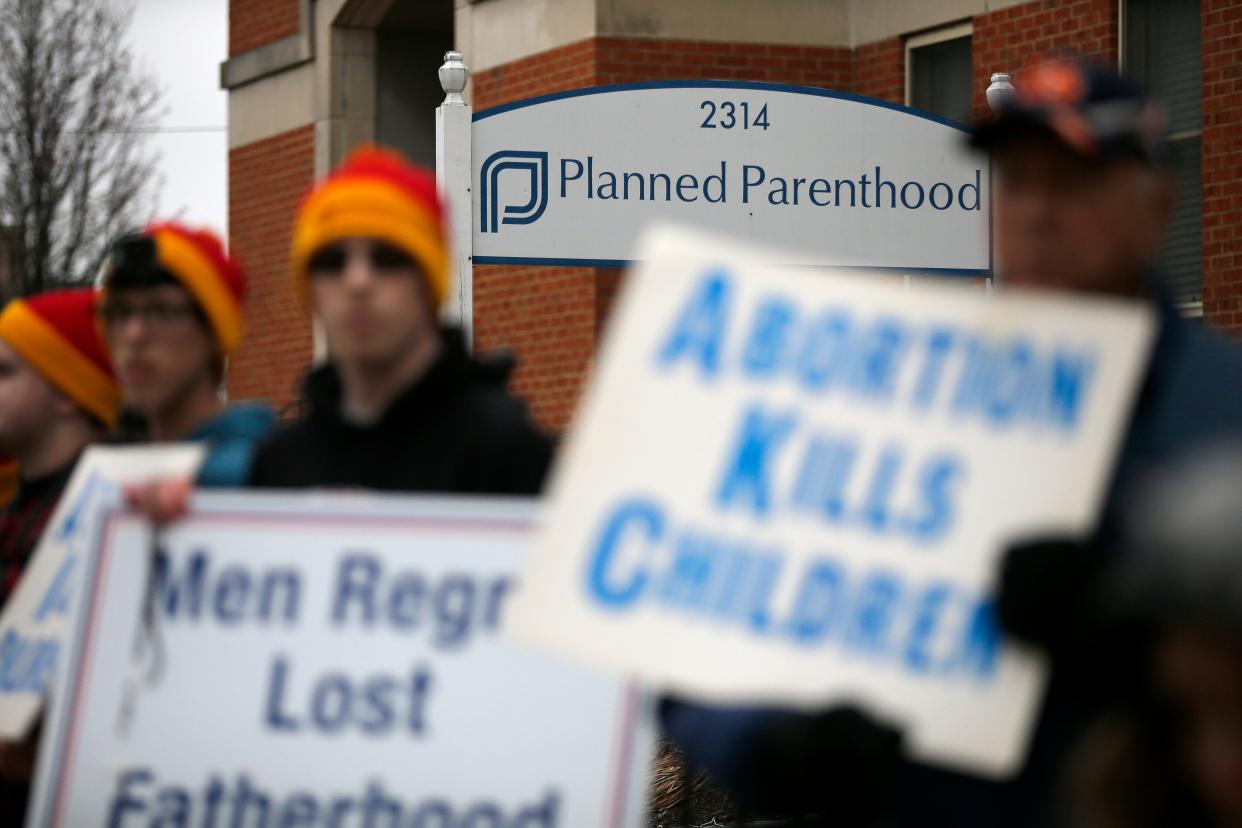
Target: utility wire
x: 136, y: 130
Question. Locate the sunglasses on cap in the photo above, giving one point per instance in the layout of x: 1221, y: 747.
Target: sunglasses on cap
x: 330, y: 261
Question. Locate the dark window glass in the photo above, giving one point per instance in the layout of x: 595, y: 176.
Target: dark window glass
x: 940, y: 78
x: 1162, y: 50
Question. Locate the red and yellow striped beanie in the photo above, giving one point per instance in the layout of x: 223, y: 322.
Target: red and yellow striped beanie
x: 57, y: 335
x: 376, y: 194
x: 197, y: 259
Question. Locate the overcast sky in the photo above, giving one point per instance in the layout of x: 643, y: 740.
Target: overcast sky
x: 181, y: 43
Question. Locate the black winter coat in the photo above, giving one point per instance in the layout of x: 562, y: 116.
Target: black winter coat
x: 456, y: 430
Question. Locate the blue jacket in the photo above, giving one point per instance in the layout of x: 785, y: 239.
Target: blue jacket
x: 232, y: 437
x: 1191, y: 397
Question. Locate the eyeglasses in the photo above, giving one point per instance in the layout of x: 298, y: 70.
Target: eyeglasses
x: 330, y: 262
x: 155, y: 314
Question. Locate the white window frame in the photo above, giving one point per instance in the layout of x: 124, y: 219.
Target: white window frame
x: 952, y: 32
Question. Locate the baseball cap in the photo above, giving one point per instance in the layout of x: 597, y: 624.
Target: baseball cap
x: 1093, y: 110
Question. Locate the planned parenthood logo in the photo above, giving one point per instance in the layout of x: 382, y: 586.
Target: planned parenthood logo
x: 534, y: 163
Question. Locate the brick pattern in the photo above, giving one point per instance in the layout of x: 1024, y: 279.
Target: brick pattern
x: 879, y: 70
x: 547, y: 315
x: 606, y: 60
x: 1222, y: 165
x: 1006, y: 40
x: 255, y: 23
x: 567, y: 67
x: 629, y: 60
x: 266, y: 180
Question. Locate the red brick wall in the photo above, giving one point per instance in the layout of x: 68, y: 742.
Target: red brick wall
x: 630, y: 60
x: 1006, y: 40
x: 568, y: 67
x: 1222, y: 165
x: 606, y: 60
x: 547, y: 315
x: 266, y: 180
x: 254, y: 23
x: 880, y: 70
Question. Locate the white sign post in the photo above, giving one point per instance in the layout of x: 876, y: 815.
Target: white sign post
x: 328, y: 660
x: 453, y: 176
x: 792, y: 488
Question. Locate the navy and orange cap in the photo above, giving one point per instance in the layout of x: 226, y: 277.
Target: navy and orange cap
x: 1096, y: 112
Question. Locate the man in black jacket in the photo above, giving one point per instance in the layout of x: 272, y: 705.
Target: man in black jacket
x: 400, y: 405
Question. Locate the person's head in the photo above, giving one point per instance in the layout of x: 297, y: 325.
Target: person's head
x: 55, y: 378
x: 1081, y: 191
x: 171, y: 312
x: 370, y: 257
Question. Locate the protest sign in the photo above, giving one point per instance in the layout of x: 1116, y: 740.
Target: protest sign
x: 329, y: 660
x: 36, y: 618
x: 791, y: 486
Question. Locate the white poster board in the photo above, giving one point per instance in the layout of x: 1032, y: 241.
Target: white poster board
x: 823, y: 177
x: 339, y: 658
x: 36, y: 619
x: 792, y: 487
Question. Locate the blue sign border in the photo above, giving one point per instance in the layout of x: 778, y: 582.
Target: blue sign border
x: 762, y: 86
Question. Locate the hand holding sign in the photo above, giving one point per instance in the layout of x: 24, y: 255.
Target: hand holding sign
x: 808, y: 479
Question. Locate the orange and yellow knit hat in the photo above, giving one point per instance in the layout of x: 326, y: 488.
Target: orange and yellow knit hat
x: 56, y: 334
x: 376, y: 194
x: 196, y: 258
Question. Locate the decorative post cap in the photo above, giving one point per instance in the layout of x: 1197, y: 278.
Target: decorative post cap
x: 453, y: 77
x: 999, y: 92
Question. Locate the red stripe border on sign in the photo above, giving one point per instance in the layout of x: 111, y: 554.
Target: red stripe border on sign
x: 623, y: 759
x: 70, y: 744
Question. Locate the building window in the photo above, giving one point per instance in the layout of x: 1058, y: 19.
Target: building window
x: 938, y: 76
x: 1161, y: 48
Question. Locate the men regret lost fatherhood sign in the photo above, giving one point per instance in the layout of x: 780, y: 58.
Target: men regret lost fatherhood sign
x: 824, y: 177
x: 329, y: 660
x: 787, y: 487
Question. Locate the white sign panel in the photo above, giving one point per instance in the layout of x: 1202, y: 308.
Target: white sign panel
x: 37, y: 616
x: 792, y: 487
x: 826, y: 178
x: 329, y: 660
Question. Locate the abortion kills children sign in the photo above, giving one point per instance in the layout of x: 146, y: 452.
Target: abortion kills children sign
x: 792, y: 487
x: 328, y: 660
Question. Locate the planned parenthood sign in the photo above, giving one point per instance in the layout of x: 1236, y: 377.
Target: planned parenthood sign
x: 825, y: 177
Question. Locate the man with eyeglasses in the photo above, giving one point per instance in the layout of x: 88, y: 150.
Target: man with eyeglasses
x: 400, y: 404
x: 171, y: 311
